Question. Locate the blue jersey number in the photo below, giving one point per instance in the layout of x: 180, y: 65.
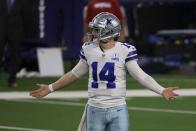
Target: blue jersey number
x: 106, y: 74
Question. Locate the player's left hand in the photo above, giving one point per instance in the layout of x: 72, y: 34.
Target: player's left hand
x: 169, y: 93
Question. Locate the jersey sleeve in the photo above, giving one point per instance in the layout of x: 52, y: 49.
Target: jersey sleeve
x: 82, y: 54
x: 80, y: 69
x: 131, y: 53
x: 137, y: 73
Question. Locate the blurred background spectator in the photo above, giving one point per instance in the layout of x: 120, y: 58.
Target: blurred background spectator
x: 162, y: 30
x: 16, y: 24
x: 95, y: 7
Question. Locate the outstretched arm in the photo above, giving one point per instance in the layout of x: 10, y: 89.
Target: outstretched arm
x: 146, y: 80
x: 45, y: 90
x: 80, y: 69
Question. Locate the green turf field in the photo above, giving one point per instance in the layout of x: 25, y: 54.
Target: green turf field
x: 147, y: 114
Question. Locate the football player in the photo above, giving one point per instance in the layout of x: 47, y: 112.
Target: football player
x: 107, y: 62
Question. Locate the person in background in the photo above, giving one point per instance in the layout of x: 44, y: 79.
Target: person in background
x: 16, y: 17
x: 107, y: 61
x: 95, y: 7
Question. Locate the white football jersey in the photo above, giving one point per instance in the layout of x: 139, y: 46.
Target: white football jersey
x: 107, y: 73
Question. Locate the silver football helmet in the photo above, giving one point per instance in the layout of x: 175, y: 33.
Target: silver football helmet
x: 107, y: 26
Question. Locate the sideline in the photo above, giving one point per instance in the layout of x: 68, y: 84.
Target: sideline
x: 84, y: 94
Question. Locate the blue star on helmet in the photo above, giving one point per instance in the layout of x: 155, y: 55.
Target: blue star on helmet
x: 112, y: 22
x: 109, y: 20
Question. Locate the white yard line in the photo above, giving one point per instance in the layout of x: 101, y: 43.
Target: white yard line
x: 84, y: 94
x: 188, y: 112
x: 21, y: 128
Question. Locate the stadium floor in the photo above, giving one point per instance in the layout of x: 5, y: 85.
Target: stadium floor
x: 149, y: 113
x: 146, y: 114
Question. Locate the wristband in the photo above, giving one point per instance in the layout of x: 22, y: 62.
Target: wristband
x: 50, y: 88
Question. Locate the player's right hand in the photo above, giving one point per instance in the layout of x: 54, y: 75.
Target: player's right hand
x: 41, y: 92
x: 169, y: 93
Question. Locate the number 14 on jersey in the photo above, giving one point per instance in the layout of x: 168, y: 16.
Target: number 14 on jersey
x: 106, y: 74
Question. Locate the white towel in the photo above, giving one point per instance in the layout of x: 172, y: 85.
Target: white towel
x: 83, y: 123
